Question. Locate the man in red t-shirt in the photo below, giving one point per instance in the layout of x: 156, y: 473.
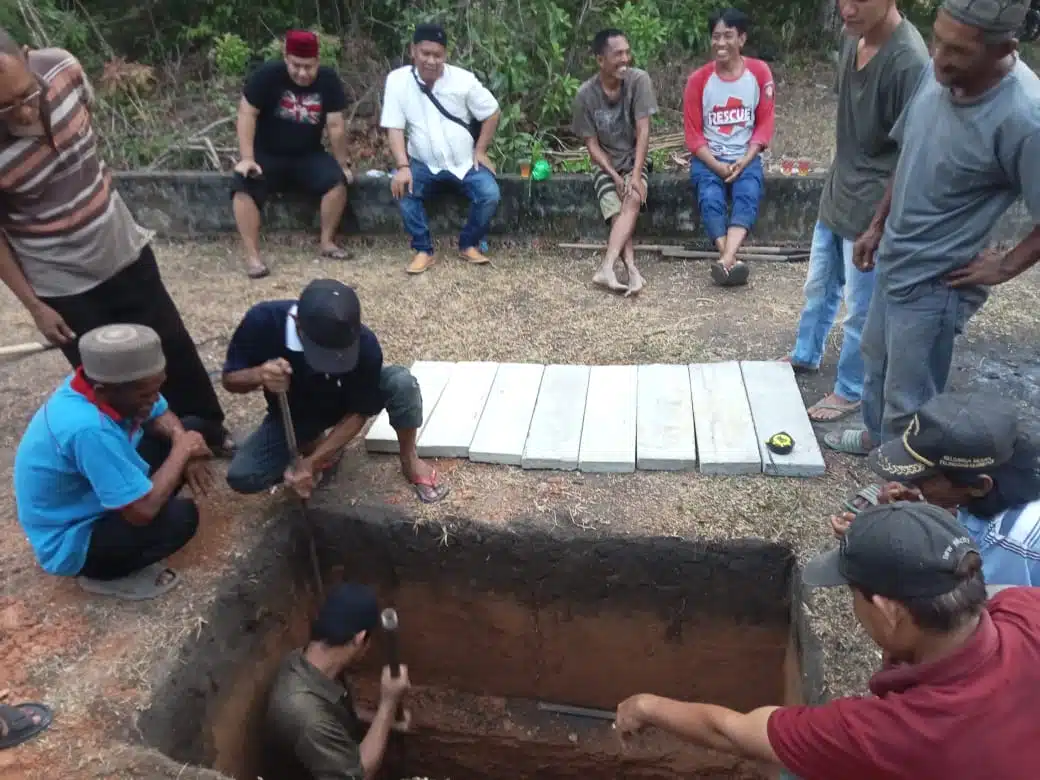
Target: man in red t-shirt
x: 956, y: 699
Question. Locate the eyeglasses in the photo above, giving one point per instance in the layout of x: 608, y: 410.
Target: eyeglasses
x: 31, y: 97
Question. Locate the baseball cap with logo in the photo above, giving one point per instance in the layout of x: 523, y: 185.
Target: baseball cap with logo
x: 328, y: 317
x: 967, y: 434
x: 906, y: 550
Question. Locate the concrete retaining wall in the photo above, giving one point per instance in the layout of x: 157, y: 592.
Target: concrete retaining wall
x: 190, y: 204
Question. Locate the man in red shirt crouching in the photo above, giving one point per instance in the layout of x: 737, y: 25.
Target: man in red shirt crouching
x: 956, y: 697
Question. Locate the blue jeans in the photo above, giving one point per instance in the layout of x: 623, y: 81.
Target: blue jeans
x: 260, y: 462
x: 479, y: 186
x: 711, y: 193
x: 908, y: 350
x: 831, y: 269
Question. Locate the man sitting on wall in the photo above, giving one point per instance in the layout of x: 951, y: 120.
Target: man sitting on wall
x: 313, y: 728
x: 612, y: 113
x: 97, y: 469
x: 331, y: 367
x: 728, y: 114
x: 959, y: 682
x: 449, y: 119
x: 285, y: 107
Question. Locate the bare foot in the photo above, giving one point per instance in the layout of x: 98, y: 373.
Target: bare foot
x: 832, y: 407
x: 334, y: 252
x: 605, y: 277
x: 635, y: 282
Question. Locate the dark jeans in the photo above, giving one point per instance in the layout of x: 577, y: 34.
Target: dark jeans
x: 480, y: 186
x: 118, y: 548
x: 260, y: 462
x: 137, y: 295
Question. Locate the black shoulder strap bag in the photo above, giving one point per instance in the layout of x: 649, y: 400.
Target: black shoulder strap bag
x: 473, y: 127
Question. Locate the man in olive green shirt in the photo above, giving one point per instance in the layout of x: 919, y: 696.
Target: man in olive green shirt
x: 312, y: 726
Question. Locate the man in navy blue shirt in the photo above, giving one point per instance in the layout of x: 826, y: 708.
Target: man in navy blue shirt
x: 331, y: 366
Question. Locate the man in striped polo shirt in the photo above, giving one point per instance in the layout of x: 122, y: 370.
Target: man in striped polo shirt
x: 72, y: 253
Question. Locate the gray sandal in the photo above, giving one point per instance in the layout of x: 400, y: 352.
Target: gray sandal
x: 849, y: 441
x: 863, y: 498
x: 140, y: 586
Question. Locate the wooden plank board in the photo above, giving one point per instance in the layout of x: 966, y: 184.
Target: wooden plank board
x: 726, y: 439
x: 432, y: 376
x: 554, y: 439
x: 608, y: 434
x: 502, y: 430
x: 450, y: 429
x: 697, y: 254
x: 665, y: 436
x: 776, y: 405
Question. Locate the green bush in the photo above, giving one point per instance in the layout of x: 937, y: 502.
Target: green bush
x: 231, y: 55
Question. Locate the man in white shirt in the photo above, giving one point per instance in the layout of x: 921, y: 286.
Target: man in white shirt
x: 449, y: 118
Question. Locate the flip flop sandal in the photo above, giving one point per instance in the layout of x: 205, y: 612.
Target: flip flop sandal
x: 259, y: 272
x: 863, y: 498
x: 842, y: 410
x: 429, y: 491
x: 20, y: 724
x: 337, y: 254
x: 736, y: 276
x: 849, y: 441
x: 140, y: 586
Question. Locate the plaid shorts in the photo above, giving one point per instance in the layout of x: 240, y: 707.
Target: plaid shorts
x: 608, y: 196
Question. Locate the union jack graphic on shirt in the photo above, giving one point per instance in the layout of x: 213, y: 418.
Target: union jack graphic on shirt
x: 303, y: 109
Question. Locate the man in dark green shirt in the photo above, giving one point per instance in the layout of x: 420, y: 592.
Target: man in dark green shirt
x: 882, y: 58
x: 312, y: 726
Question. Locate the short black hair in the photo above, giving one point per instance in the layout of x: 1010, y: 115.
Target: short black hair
x: 599, y: 42
x: 1015, y: 483
x: 731, y: 17
x: 951, y: 611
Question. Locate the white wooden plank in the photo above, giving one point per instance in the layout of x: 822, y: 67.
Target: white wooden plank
x: 502, y: 430
x: 450, y: 429
x: 554, y: 439
x: 726, y: 440
x: 665, y: 436
x: 432, y: 376
x: 608, y: 434
x: 776, y: 405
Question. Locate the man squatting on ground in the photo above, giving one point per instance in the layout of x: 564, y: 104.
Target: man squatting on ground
x: 331, y: 366
x: 969, y: 147
x: 97, y: 470
x: 70, y: 250
x: 728, y: 113
x: 285, y: 107
x: 956, y: 697
x: 881, y: 60
x: 449, y: 120
x: 612, y: 113
x: 312, y: 726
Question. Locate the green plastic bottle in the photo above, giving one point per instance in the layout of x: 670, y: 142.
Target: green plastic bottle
x: 541, y: 171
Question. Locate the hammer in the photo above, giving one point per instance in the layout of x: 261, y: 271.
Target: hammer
x: 388, y: 619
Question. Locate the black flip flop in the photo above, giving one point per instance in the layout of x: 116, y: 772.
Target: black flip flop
x: 736, y: 276
x: 20, y: 725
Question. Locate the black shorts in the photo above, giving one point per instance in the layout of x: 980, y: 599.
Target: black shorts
x: 311, y: 174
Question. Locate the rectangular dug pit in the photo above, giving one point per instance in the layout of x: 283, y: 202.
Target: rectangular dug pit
x: 508, y: 634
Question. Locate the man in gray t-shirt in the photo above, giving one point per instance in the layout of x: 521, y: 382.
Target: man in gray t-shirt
x: 881, y: 60
x: 612, y: 113
x: 969, y: 146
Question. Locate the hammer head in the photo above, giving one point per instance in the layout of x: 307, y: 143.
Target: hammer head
x: 388, y: 619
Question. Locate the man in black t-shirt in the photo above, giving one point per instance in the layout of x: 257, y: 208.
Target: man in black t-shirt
x: 285, y: 107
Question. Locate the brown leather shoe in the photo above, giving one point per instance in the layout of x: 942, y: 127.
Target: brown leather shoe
x: 421, y: 262
x: 473, y: 255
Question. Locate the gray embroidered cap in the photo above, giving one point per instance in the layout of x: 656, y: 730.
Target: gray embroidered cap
x: 116, y: 354
x: 1000, y: 20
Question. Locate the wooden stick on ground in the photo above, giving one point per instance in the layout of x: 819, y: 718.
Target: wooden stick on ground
x: 28, y: 348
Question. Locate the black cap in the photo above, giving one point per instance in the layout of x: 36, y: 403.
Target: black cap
x: 906, y: 550
x: 965, y: 433
x: 430, y: 32
x: 348, y: 610
x: 328, y: 317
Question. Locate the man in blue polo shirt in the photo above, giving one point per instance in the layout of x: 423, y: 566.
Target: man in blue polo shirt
x: 97, y: 469
x: 331, y: 367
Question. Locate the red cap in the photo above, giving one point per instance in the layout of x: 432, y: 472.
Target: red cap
x: 301, y: 43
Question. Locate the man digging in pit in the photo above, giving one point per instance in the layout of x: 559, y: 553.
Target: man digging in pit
x: 285, y: 108
x: 312, y: 726
x: 97, y: 470
x: 612, y: 113
x: 959, y: 679
x: 331, y: 367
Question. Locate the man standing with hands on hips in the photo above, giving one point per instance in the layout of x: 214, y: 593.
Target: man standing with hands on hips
x: 440, y: 121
